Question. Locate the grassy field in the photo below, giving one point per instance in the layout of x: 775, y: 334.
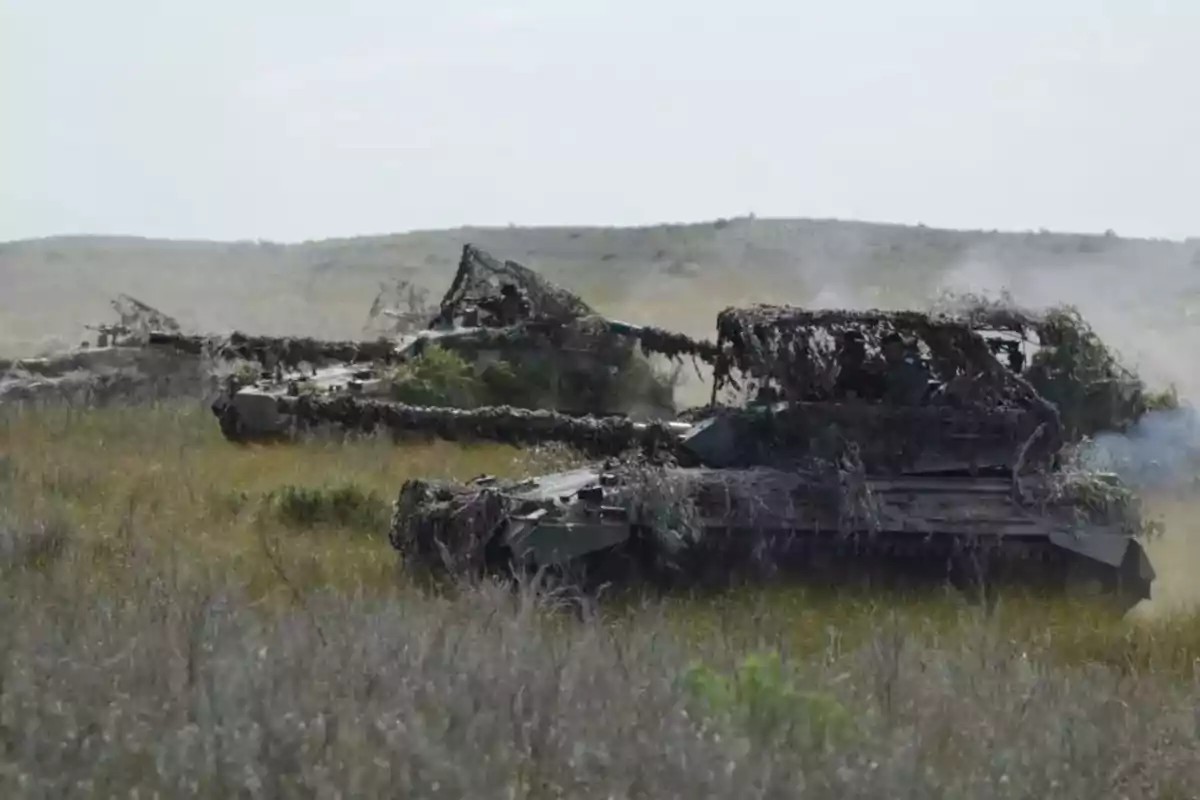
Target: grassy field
x: 186, y: 617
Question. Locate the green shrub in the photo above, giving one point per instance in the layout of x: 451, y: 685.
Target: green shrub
x: 640, y: 381
x: 762, y: 700
x: 522, y: 383
x: 438, y: 377
x: 344, y: 506
x: 441, y: 377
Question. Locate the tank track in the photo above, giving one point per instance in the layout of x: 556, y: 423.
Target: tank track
x: 980, y: 567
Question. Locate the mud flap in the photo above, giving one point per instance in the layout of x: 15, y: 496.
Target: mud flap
x: 1130, y: 574
x: 227, y: 419
x: 1107, y: 548
x: 554, y: 543
x: 1145, y: 569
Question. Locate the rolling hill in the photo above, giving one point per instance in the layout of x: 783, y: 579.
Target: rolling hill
x: 676, y: 275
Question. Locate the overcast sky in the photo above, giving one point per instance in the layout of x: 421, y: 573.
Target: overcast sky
x: 297, y: 119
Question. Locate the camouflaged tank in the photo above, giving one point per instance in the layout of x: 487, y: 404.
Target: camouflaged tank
x: 527, y: 344
x: 117, y: 363
x: 817, y: 457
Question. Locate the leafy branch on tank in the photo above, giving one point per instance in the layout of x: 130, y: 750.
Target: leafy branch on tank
x: 1097, y: 497
x: 1084, y: 378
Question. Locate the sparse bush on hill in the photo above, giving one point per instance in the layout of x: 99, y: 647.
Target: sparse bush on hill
x: 342, y: 506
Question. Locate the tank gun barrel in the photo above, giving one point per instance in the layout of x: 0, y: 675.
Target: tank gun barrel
x: 287, y: 351
x: 609, y: 435
x: 652, y: 339
x: 664, y: 342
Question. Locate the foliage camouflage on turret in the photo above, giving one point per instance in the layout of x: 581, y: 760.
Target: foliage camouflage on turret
x: 1090, y: 391
x: 480, y: 275
x: 1082, y: 376
x: 796, y: 349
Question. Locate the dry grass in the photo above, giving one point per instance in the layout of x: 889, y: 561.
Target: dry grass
x: 167, y: 477
x: 175, y: 622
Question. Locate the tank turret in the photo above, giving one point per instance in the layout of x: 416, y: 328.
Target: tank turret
x: 520, y: 341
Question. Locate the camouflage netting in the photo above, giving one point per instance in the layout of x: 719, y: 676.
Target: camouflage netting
x: 137, y: 319
x: 793, y: 354
x: 975, y: 315
x: 445, y: 527
x: 480, y: 276
x: 1096, y: 498
x: 597, y: 436
x: 1009, y: 357
x: 551, y: 308
x: 1054, y: 353
x: 796, y: 350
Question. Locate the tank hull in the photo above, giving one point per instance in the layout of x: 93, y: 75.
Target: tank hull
x: 700, y: 527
